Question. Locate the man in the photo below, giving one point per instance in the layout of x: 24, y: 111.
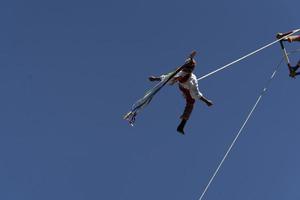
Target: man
x: 188, y: 85
x: 292, y: 38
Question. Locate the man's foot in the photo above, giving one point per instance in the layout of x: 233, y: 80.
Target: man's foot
x: 281, y: 35
x: 181, y: 126
x: 293, y: 72
x: 180, y: 130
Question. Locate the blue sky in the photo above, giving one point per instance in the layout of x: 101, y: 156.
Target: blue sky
x: 71, y: 69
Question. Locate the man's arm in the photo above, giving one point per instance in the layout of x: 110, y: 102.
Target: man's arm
x: 153, y: 78
x: 207, y: 101
x: 171, y: 82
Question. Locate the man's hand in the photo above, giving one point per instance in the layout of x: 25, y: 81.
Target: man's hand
x: 207, y: 101
x: 153, y: 78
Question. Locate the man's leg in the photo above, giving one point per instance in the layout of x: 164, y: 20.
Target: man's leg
x: 180, y: 127
x: 280, y: 35
x: 187, y: 110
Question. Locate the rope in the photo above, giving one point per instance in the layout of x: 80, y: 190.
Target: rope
x: 241, y: 129
x: 249, y: 54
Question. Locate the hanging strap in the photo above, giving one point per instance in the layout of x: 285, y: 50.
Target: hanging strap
x: 286, y: 57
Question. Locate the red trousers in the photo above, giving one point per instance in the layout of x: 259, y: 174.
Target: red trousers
x: 189, y: 103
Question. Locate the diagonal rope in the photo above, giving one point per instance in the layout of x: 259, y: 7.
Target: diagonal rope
x: 249, y: 54
x: 241, y: 129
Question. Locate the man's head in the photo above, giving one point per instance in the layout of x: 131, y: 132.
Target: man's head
x: 190, y: 63
x: 193, y: 54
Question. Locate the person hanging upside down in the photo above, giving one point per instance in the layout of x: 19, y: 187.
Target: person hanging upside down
x: 188, y: 85
x: 292, y: 38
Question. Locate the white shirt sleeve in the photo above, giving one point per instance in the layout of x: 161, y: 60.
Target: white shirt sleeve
x: 173, y: 80
x: 193, y: 87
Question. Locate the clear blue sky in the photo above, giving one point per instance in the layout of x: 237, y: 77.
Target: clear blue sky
x: 71, y: 69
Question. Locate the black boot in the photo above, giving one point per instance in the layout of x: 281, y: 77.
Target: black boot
x: 181, y: 126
